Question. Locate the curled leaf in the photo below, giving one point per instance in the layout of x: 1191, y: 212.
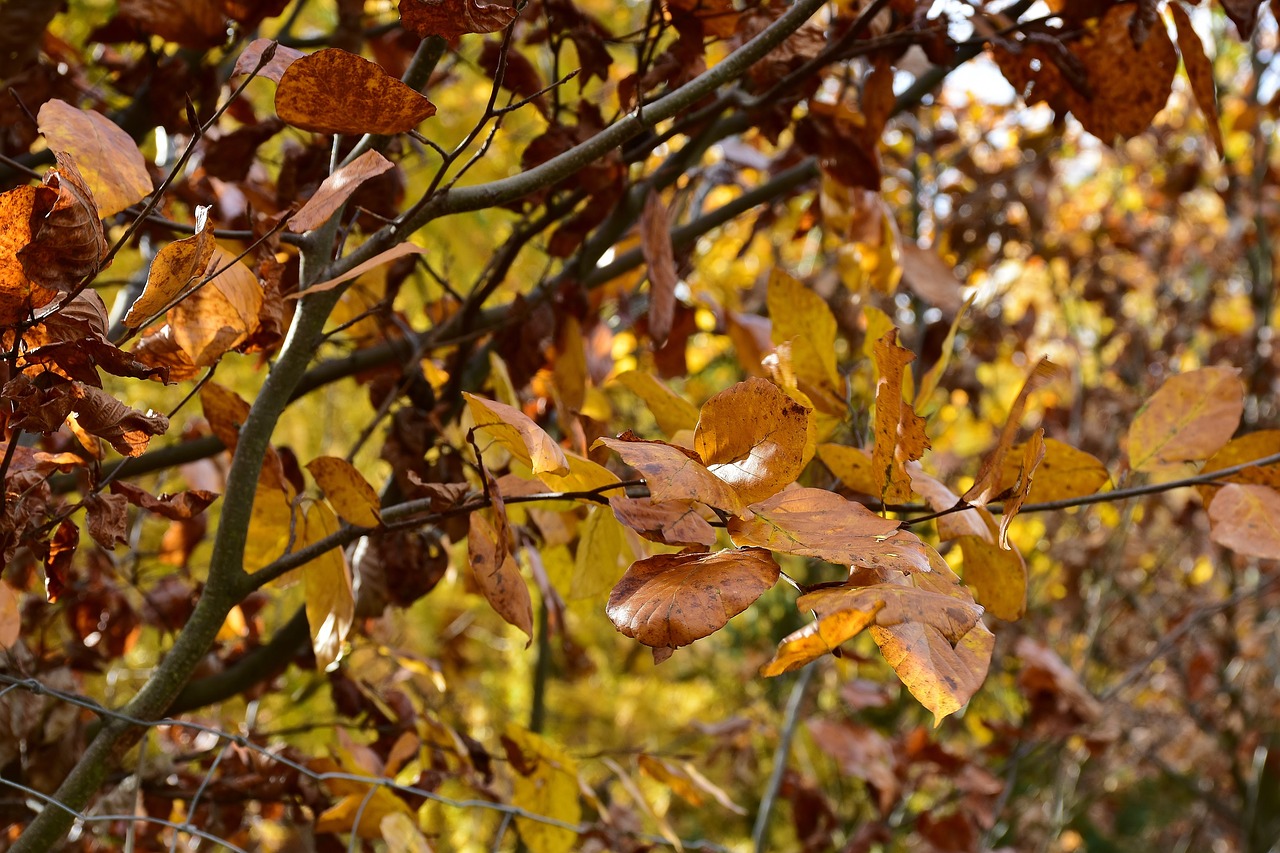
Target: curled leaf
x: 752, y: 436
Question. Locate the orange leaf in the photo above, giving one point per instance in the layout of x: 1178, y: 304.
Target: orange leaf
x: 20, y: 297
x: 452, y: 18
x: 1199, y: 72
x: 347, y: 490
x: 67, y: 244
x: 655, y: 243
x: 336, y: 189
x: 752, y: 436
x: 822, y: 637
x: 517, y: 432
x: 176, y: 267
x: 673, y: 473
x: 221, y: 314
x: 987, y: 483
x: 1128, y: 85
x: 333, y: 91
x: 671, y: 600
x: 497, y: 576
x: 112, y: 165
x: 1246, y: 448
x: 812, y: 523
x: 899, y: 431
x: 1032, y: 455
x: 1246, y: 519
x: 1190, y: 417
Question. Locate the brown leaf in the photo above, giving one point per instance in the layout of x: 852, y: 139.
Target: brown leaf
x: 1190, y: 417
x: 899, y: 431
x: 822, y: 637
x: 496, y: 575
x: 333, y: 91
x: 1032, y: 454
x: 175, y: 268
x: 221, y: 314
x: 128, y: 430
x: 20, y: 297
x: 159, y: 349
x: 452, y: 18
x: 179, y: 507
x: 107, y: 519
x: 812, y: 523
x: 673, y: 473
x: 655, y: 244
x: 195, y: 24
x: 719, y: 18
x: 1199, y: 73
x: 1244, y: 14
x: 113, y: 167
x: 67, y: 244
x: 674, y: 599
x: 347, y: 490
x: 931, y: 278
x: 669, y: 522
x: 987, y: 483
x: 1237, y: 451
x: 275, y: 67
x: 397, y: 251
x: 752, y: 436
x: 57, y: 560
x: 336, y: 189
x: 517, y: 432
x: 1057, y: 698
x: 863, y: 753
x: 1246, y: 519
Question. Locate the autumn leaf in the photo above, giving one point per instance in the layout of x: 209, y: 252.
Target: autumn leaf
x: 175, y: 268
x: 997, y: 575
x: 112, y: 166
x: 402, y: 834
x: 10, y: 617
x: 671, y: 600
x: 282, y: 57
x: 327, y: 583
x: 347, y: 490
x: 178, y: 507
x: 518, y: 434
x: 1199, y: 72
x: 822, y: 637
x: 544, y: 782
x: 497, y: 576
x: 67, y: 242
x: 220, y: 314
x: 1237, y: 451
x: 333, y: 91
x: 672, y: 412
x: 584, y: 475
x: 812, y: 523
x: 397, y: 251
x: 370, y: 808
x: 19, y: 295
x: 196, y: 24
x: 127, y: 430
x: 987, y: 482
x: 1246, y: 519
x: 673, y: 473
x: 107, y: 519
x: 601, y: 557
x: 668, y: 522
x: 852, y: 465
x: 336, y: 189
x: 802, y: 318
x: 655, y: 242
x: 752, y: 436
x: 899, y: 431
x: 452, y: 18
x: 1191, y: 416
x: 1032, y: 455
x: 933, y: 280
x: 57, y: 559
x: 1064, y: 473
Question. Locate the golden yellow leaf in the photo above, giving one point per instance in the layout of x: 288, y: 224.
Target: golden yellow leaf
x: 19, y: 295
x: 986, y: 484
x: 518, y: 434
x: 347, y: 490
x: 997, y: 576
x: 331, y: 605
x: 112, y: 166
x: 602, y: 555
x: 402, y: 835
x: 852, y: 465
x: 270, y: 527
x: 544, y: 782
x: 333, y: 91
x: 752, y: 436
x: 219, y: 315
x: 372, y: 808
x: 672, y: 412
x: 1246, y: 519
x: 176, y: 267
x: 823, y: 636
x: 1190, y: 417
x: 929, y: 384
x: 10, y: 618
x: 802, y: 317
x: 1237, y: 451
x: 583, y: 475
x: 899, y: 431
x: 1032, y: 455
x: 1064, y: 473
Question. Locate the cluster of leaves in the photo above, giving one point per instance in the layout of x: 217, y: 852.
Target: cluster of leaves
x: 516, y: 377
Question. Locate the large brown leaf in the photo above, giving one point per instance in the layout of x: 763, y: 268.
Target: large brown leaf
x: 67, y: 244
x: 112, y: 166
x: 452, y: 18
x: 671, y: 600
x: 668, y: 522
x: 752, y: 436
x: 673, y: 473
x: 128, y: 430
x: 333, y: 91
x: 497, y: 575
x: 812, y: 523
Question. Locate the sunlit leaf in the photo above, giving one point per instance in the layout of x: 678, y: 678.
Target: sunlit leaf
x: 899, y: 431
x: 601, y: 557
x: 544, y: 781
x: 1032, y: 455
x: 802, y: 318
x: 812, y: 523
x: 1190, y: 417
x: 175, y: 268
x: 673, y: 473
x: 222, y: 313
x: 333, y: 91
x: 823, y: 636
x: 1064, y: 473
x: 109, y: 160
x: 672, y: 412
x: 986, y: 484
x: 668, y: 522
x: 518, y: 434
x: 347, y: 490
x: 336, y: 189
x: 752, y: 436
x: 997, y: 576
x: 10, y: 618
x: 327, y: 583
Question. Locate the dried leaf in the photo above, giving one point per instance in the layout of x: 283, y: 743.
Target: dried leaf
x: 333, y: 91
x: 673, y: 473
x: 669, y: 522
x: 931, y: 278
x: 452, y: 18
x: 987, y: 483
x: 1032, y: 454
x: 330, y: 601
x: 175, y: 268
x: 822, y: 637
x: 752, y: 436
x: 336, y: 189
x: 57, y: 559
x: 107, y: 519
x: 899, y: 431
x: 274, y: 69
x: 395, y: 252
x: 863, y: 753
x: 1237, y: 451
x: 221, y: 314
x: 497, y: 575
x: 674, y: 599
x: 347, y: 490
x: 1064, y: 473
x: 197, y: 24
x: 128, y: 430
x: 1199, y: 73
x: 1128, y: 85
x: 113, y: 167
x: 518, y: 434
x: 179, y: 507
x: 10, y: 616
x: 67, y: 244
x: 655, y: 243
x: 812, y: 523
x: 1244, y: 14
x: 1246, y: 519
x: 672, y: 412
x: 1190, y: 417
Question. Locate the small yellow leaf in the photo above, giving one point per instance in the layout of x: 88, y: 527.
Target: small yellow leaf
x: 327, y: 586
x: 518, y: 434
x: 672, y: 412
x: 402, y: 835
x: 602, y: 556
x: 372, y: 808
x: 544, y: 782
x: 803, y: 318
x: 347, y: 490
x: 822, y: 637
